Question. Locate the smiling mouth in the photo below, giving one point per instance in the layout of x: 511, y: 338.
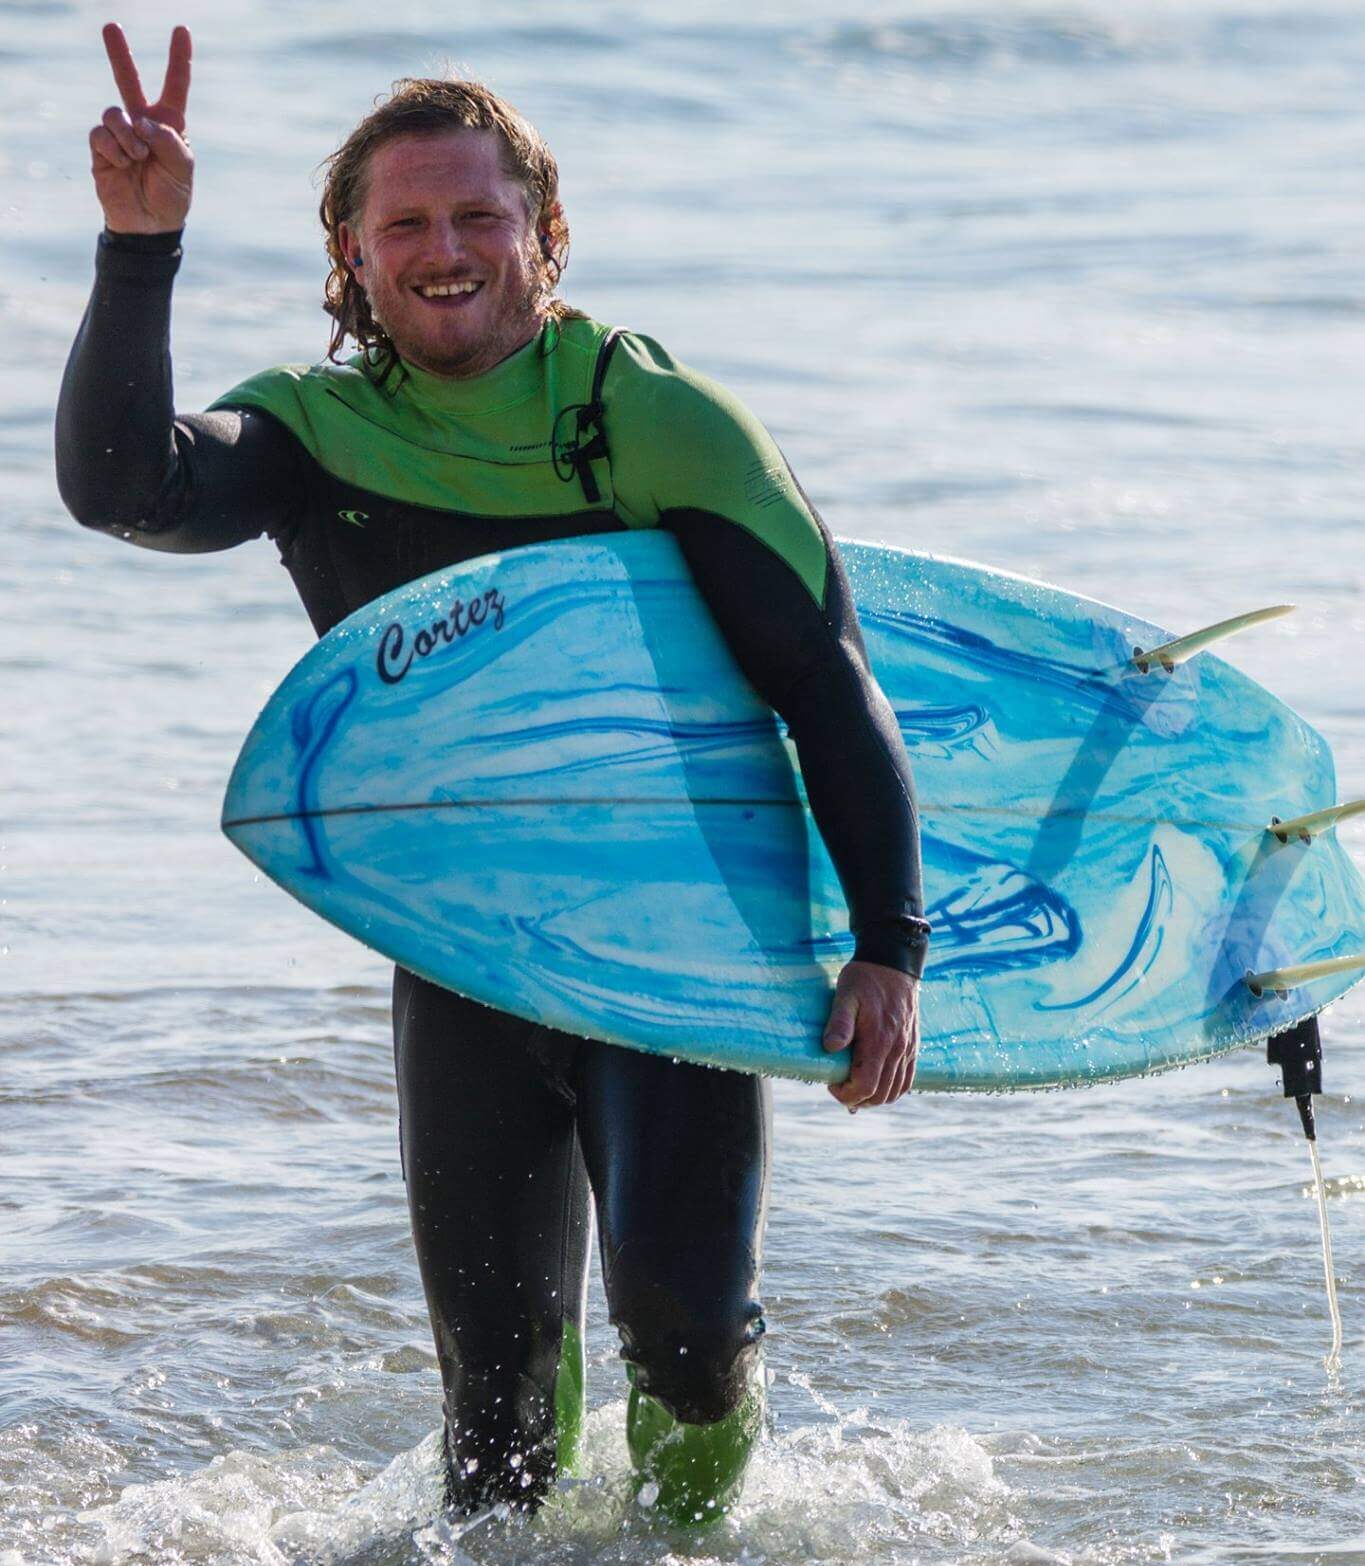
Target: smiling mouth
x: 445, y: 293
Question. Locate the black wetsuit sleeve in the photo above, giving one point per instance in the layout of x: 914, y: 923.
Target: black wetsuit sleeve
x: 687, y: 455
x: 126, y: 464
x: 808, y: 662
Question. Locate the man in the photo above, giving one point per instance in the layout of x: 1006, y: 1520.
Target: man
x: 482, y: 413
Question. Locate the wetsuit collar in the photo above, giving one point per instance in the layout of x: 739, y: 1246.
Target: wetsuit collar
x: 518, y: 377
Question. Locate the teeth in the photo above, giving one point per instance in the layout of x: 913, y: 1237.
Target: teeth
x: 445, y: 290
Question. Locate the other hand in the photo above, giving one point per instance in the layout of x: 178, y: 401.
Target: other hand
x: 143, y: 167
x: 875, y: 1009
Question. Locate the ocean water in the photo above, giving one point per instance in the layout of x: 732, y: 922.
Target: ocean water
x: 1074, y: 289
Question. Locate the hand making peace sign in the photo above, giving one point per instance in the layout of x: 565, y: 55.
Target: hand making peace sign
x: 143, y: 167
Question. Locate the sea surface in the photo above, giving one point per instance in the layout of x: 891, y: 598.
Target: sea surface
x: 1074, y: 289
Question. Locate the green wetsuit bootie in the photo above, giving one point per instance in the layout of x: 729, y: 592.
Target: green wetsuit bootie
x: 570, y: 1405
x: 698, y: 1469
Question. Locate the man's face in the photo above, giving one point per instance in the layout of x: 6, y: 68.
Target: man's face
x: 440, y: 214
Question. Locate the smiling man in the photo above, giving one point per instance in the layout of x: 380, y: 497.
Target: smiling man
x: 481, y: 412
x: 462, y: 305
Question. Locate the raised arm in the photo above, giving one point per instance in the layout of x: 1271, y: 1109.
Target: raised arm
x: 125, y: 464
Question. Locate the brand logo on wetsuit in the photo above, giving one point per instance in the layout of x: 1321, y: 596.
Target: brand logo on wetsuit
x: 396, y: 655
x: 355, y: 518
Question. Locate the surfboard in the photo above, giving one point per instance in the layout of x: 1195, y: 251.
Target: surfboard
x: 539, y: 779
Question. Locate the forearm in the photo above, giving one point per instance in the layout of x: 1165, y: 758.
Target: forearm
x: 116, y: 457
x: 862, y: 796
x: 807, y: 661
x: 687, y: 455
x: 125, y: 464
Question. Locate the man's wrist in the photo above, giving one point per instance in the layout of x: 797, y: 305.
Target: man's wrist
x: 901, y: 943
x: 162, y: 244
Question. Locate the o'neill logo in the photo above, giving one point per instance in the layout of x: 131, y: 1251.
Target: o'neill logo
x: 396, y: 653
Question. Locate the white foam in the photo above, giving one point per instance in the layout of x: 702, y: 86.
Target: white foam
x: 222, y: 1513
x: 850, y: 1486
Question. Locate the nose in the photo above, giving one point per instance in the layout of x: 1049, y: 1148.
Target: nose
x: 446, y: 243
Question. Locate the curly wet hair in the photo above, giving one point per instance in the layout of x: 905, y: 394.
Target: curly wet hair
x: 420, y: 106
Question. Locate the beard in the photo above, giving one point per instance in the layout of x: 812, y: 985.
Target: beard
x: 518, y: 317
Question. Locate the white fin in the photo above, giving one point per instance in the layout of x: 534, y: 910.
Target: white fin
x: 1171, y: 653
x: 1305, y: 828
x: 1280, y: 980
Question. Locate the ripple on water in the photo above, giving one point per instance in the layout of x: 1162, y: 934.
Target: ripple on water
x: 990, y: 40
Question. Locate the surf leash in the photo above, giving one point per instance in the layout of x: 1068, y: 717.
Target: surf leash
x: 1298, y: 1054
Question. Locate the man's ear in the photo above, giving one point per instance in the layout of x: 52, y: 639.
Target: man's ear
x: 555, y: 215
x: 350, y: 248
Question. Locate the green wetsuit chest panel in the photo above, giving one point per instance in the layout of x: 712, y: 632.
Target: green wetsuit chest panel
x: 405, y: 477
x: 484, y: 446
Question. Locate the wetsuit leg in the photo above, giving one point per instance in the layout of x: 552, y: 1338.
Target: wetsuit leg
x: 501, y: 1218
x: 678, y: 1156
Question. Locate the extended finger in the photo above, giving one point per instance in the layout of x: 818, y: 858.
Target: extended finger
x: 175, y: 90
x: 116, y: 122
x: 125, y: 72
x: 103, y: 148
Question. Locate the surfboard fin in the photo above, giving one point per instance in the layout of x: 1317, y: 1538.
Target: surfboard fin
x: 1305, y: 828
x: 1279, y: 981
x: 1169, y: 654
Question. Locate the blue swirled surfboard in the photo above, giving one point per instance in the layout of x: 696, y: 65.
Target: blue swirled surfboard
x: 539, y: 779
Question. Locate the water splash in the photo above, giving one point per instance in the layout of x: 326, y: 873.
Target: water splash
x: 848, y: 1485
x: 222, y: 1513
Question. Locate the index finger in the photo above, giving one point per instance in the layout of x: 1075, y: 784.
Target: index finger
x: 175, y: 90
x: 125, y: 72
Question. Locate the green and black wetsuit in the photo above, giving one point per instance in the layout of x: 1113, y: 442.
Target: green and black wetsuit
x: 365, y: 484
